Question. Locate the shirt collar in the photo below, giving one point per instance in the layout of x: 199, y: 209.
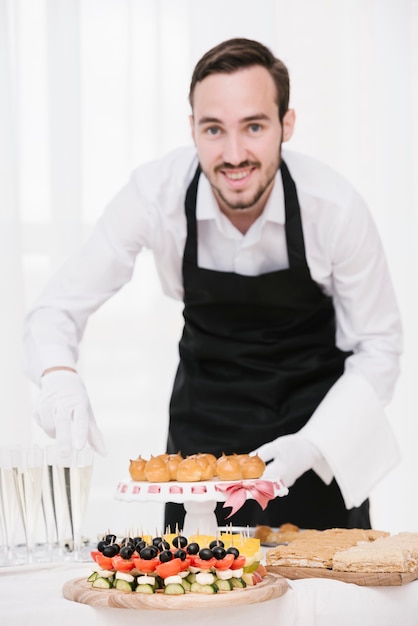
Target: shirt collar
x: 207, y: 207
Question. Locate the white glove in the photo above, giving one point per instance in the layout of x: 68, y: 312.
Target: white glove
x: 64, y: 412
x: 291, y: 456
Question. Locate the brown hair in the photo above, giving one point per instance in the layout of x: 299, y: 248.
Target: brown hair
x: 235, y: 54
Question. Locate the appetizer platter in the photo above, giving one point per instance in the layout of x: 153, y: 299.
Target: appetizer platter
x: 78, y: 590
x: 174, y: 572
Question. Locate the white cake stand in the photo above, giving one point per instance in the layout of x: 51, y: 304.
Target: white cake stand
x: 199, y: 498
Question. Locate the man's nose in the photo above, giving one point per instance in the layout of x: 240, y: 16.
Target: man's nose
x: 234, y: 149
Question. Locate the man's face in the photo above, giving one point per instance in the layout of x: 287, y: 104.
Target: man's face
x: 237, y: 133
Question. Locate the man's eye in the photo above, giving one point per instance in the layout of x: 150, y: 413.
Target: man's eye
x: 212, y: 130
x: 255, y: 128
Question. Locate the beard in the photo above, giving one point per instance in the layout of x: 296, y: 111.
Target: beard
x: 244, y: 203
x: 234, y: 201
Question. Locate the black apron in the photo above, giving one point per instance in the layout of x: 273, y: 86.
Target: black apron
x: 257, y: 356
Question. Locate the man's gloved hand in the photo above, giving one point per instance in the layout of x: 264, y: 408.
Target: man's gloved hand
x: 64, y: 412
x: 291, y: 456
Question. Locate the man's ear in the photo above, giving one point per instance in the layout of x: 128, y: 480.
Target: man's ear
x: 288, y: 124
x: 191, y: 121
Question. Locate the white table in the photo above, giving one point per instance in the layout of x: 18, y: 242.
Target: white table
x: 33, y: 595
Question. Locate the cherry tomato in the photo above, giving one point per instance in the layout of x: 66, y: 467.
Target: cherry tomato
x: 192, y: 558
x: 105, y: 562
x: 185, y: 564
x: 238, y: 562
x: 224, y: 563
x: 94, y: 553
x: 202, y: 564
x: 169, y: 568
x: 145, y: 565
x: 122, y: 565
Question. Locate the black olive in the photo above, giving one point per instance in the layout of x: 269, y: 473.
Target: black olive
x: 233, y: 551
x: 218, y: 552
x: 193, y: 548
x: 148, y: 553
x: 111, y: 550
x: 180, y: 554
x: 110, y: 538
x: 139, y: 545
x: 205, y: 554
x: 163, y: 545
x: 127, y: 541
x: 216, y: 542
x: 180, y: 542
x: 101, y: 545
x: 126, y: 552
x: 165, y: 556
x: 156, y: 541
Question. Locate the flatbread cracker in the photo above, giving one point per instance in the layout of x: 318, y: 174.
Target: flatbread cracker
x: 314, y: 548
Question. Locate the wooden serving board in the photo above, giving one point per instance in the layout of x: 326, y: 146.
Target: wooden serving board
x: 365, y: 579
x: 79, y: 590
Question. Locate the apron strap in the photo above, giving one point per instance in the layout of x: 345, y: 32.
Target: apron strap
x: 294, y: 231
x: 190, y: 250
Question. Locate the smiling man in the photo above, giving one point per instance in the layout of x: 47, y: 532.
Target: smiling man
x: 292, y: 336
x: 238, y: 134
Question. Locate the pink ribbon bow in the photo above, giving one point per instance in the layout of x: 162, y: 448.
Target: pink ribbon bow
x: 262, y: 491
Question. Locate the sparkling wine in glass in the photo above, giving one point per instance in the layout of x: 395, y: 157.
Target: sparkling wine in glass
x: 27, y: 471
x: 70, y: 479
x: 8, y: 506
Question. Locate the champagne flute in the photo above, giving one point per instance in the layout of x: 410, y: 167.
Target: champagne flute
x: 53, y: 532
x: 69, y: 479
x: 8, y: 505
x: 27, y: 469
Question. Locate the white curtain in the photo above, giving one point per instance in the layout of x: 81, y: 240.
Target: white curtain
x: 91, y: 88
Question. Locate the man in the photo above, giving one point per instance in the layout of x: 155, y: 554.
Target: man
x: 292, y: 336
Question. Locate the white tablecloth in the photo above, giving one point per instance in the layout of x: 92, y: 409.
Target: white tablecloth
x: 33, y: 595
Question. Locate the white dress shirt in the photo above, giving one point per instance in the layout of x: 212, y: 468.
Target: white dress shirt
x: 344, y: 255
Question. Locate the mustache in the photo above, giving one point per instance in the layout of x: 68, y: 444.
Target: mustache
x: 242, y: 165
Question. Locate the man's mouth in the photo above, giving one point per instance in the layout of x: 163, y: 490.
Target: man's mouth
x: 236, y: 175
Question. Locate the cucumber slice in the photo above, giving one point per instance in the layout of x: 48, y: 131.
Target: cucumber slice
x: 208, y: 589
x: 159, y: 582
x: 186, y: 584
x: 144, y: 589
x: 238, y: 583
x: 191, y: 577
x: 224, y: 585
x: 102, y: 583
x: 174, y: 589
x: 92, y: 577
x: 122, y: 585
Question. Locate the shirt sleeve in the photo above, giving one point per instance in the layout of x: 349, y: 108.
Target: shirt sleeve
x: 148, y: 212
x: 56, y: 323
x: 350, y: 426
x: 367, y: 314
